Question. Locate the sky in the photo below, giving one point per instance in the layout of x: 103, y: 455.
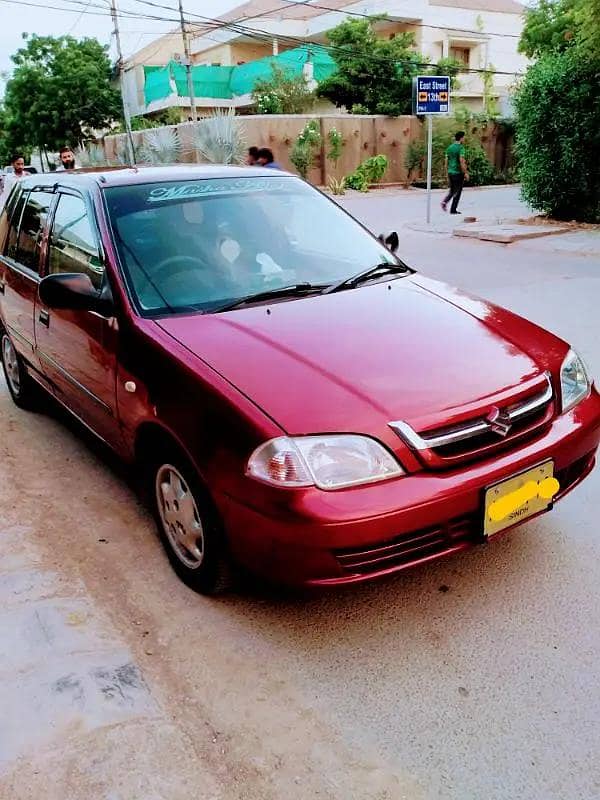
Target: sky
x: 84, y: 18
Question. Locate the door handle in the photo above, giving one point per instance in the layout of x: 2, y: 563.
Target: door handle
x: 44, y: 318
x: 2, y: 287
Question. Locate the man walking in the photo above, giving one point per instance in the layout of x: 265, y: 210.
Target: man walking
x: 19, y: 172
x: 456, y: 167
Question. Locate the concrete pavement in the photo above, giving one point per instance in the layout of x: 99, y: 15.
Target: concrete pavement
x: 471, y: 679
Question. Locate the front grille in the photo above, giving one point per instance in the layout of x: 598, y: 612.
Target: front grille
x: 479, y: 437
x: 410, y: 547
x: 526, y: 427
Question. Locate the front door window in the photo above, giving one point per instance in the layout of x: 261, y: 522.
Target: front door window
x: 73, y: 244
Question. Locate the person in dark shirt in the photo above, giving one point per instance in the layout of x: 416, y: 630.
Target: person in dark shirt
x: 456, y: 166
x: 265, y: 159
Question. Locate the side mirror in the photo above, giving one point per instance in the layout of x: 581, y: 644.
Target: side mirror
x: 75, y: 292
x: 390, y: 240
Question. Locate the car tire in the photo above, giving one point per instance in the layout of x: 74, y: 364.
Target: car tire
x: 189, y: 525
x: 22, y: 388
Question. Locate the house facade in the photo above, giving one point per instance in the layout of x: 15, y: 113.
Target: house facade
x: 482, y: 35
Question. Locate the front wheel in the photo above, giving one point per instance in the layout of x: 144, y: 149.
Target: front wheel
x: 21, y: 387
x: 189, y: 526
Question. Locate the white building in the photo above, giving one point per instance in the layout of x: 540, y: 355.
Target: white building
x: 482, y: 34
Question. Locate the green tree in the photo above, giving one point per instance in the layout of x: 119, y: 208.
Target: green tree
x: 558, y: 135
x: 283, y: 93
x: 549, y: 27
x: 555, y: 25
x: 374, y: 75
x: 5, y: 141
x: 60, y: 91
x: 587, y: 16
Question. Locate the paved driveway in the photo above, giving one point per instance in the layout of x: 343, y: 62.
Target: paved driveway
x: 472, y: 679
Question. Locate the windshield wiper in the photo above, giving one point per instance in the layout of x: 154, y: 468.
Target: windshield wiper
x: 295, y: 290
x: 365, y: 275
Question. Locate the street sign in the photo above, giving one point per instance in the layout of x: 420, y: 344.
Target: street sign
x: 431, y: 94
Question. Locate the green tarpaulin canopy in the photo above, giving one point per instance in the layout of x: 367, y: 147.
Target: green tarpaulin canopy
x: 225, y: 83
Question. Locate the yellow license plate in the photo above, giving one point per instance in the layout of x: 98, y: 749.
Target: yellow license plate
x: 519, y: 497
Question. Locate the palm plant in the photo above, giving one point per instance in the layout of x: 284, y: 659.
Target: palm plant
x: 91, y: 156
x: 121, y: 158
x: 160, y: 146
x: 221, y: 138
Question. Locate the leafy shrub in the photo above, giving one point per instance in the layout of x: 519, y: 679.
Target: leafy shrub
x: 558, y: 136
x: 283, y: 93
x: 336, y: 145
x: 370, y: 171
x: 481, y: 171
x: 508, y: 175
x: 305, y: 147
x: 337, y: 186
x: 415, y: 156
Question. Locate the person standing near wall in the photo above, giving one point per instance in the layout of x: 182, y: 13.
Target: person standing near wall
x: 67, y: 159
x: 19, y: 172
x: 456, y: 167
x: 266, y: 159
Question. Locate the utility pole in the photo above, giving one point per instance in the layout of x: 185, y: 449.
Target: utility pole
x: 188, y: 62
x: 126, y: 115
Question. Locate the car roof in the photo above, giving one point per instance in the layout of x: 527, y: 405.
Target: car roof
x: 106, y: 177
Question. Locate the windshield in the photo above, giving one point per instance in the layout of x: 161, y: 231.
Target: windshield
x: 199, y: 245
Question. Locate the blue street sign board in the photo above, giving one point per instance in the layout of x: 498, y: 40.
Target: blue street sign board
x: 431, y: 94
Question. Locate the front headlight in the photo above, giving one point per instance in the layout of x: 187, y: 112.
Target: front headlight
x: 574, y: 381
x: 329, y: 462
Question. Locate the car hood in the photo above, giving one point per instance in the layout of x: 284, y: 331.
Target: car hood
x: 354, y: 360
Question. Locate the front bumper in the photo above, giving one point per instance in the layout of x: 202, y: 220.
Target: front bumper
x: 314, y: 537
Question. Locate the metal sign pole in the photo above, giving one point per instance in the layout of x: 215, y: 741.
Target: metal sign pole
x: 429, y: 160
x: 431, y: 95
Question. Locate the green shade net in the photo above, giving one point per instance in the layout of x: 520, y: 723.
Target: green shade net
x: 226, y: 83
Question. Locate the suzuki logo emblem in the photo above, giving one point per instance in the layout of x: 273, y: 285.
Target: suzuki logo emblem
x: 499, y: 421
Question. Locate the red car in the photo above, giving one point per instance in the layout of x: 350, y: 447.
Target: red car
x: 298, y: 401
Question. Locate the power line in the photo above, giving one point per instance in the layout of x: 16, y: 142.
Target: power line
x: 414, y: 24
x: 259, y: 34
x: 262, y: 35
x: 188, y: 63
x: 79, y: 17
x: 126, y: 114
x: 101, y: 13
x: 292, y: 3
x: 251, y: 33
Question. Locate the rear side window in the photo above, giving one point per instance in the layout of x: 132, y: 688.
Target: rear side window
x: 33, y: 221
x: 73, y: 243
x: 15, y: 212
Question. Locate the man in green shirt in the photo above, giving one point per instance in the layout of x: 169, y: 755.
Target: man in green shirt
x: 456, y: 167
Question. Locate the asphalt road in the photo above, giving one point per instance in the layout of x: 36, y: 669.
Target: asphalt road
x: 472, y: 679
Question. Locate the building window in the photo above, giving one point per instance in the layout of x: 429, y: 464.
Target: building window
x: 462, y: 55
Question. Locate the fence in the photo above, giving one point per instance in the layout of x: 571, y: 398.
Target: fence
x: 363, y: 136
